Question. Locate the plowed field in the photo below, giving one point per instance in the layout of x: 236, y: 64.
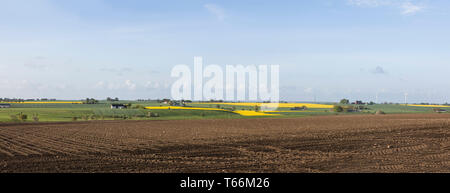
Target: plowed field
x: 354, y: 143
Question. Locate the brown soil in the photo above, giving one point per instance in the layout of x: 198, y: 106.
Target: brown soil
x: 356, y: 143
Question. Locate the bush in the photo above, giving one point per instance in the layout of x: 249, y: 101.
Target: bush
x: 138, y: 107
x: 74, y: 118
x: 150, y: 114
x: 35, y: 117
x: 22, y: 117
x: 338, y: 109
x: 257, y: 108
x: 379, y: 112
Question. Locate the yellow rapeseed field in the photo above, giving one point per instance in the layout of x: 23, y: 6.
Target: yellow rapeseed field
x: 435, y: 106
x: 243, y: 113
x: 253, y: 113
x: 290, y: 111
x: 185, y: 108
x: 280, y: 105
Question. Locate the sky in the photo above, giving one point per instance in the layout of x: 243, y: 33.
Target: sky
x: 326, y: 49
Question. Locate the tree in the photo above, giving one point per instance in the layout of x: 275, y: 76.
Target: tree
x: 257, y: 108
x: 338, y: 109
x: 90, y: 101
x: 345, y: 101
x: 112, y: 99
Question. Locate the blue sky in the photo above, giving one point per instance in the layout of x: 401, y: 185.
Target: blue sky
x: 326, y: 49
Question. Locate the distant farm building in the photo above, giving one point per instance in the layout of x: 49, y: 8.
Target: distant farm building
x: 118, y: 106
x: 438, y: 110
x: 299, y: 108
x: 165, y: 101
x: 5, y: 105
x: 358, y: 103
x: 177, y: 103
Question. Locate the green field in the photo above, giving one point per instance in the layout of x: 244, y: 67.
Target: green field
x: 102, y: 111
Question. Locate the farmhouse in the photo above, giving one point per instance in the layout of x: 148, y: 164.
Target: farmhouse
x: 165, y: 101
x: 5, y: 105
x: 118, y: 106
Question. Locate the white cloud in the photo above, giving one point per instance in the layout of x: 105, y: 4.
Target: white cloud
x: 152, y: 85
x: 409, y: 8
x: 127, y: 84
x: 216, y: 11
x: 130, y: 85
x: 308, y: 90
x: 99, y: 84
x: 117, y: 71
x: 30, y: 88
x: 405, y: 6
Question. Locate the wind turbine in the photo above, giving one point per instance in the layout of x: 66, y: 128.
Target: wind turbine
x: 376, y: 98
x: 406, y: 98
